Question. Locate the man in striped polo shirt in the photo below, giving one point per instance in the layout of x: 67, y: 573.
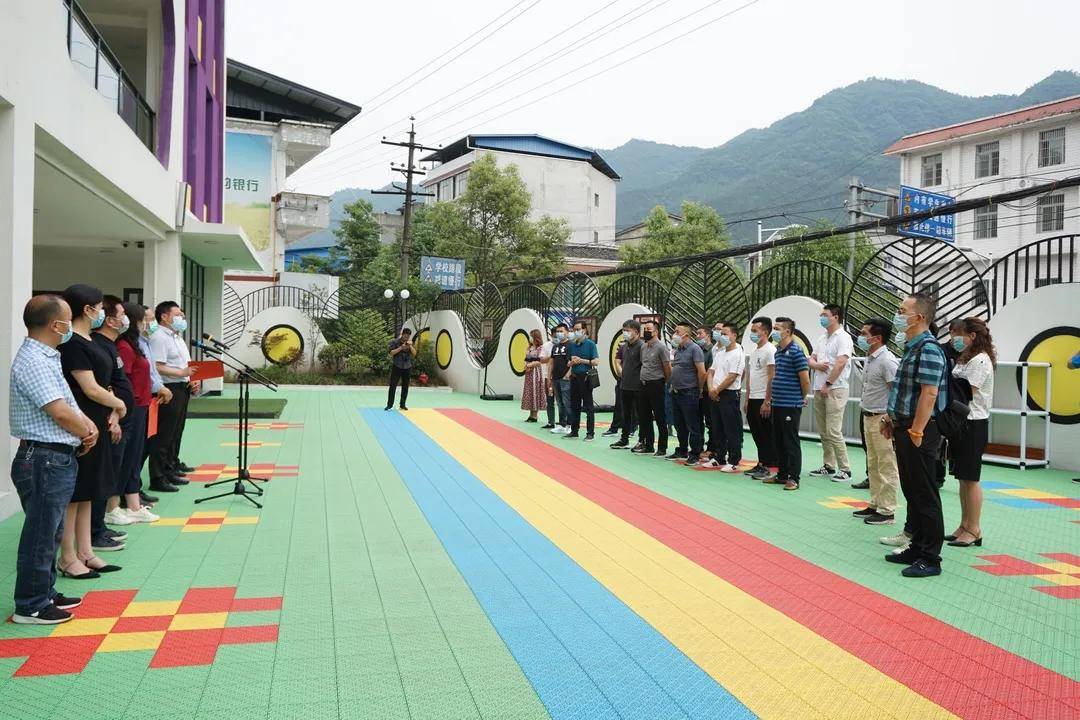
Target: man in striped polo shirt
x: 790, y: 386
x: 919, y: 393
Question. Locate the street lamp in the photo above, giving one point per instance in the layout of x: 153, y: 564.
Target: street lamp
x: 404, y: 295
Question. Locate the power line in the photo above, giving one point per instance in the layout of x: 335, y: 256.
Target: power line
x: 594, y: 75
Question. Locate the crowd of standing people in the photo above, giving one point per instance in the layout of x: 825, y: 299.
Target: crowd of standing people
x: 87, y: 379
x: 921, y: 415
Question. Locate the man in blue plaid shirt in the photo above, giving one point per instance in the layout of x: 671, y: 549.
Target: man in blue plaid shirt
x: 918, y: 394
x: 51, y: 430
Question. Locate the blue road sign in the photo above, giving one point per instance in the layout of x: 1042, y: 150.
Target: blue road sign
x: 914, y: 200
x: 447, y: 273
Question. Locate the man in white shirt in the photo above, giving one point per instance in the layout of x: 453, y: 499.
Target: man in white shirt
x: 724, y: 381
x: 830, y: 363
x: 760, y: 367
x: 174, y: 365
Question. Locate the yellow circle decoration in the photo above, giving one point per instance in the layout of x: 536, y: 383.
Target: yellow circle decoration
x: 422, y: 337
x: 444, y: 349
x: 282, y: 344
x: 519, y: 344
x: 615, y: 341
x: 1056, y: 346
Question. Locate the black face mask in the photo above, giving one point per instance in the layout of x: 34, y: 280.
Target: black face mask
x: 647, y: 335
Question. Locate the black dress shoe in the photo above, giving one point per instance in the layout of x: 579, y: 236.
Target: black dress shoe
x: 864, y: 485
x: 549, y: 426
x: 177, y: 480
x: 147, y: 499
x: 184, y: 467
x: 163, y: 486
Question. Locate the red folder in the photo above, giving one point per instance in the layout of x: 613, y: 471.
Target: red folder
x: 207, y: 369
x: 151, y: 419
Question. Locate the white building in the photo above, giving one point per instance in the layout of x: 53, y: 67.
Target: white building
x: 564, y: 181
x: 993, y: 155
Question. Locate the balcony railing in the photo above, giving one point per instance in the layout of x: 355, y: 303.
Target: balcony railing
x: 94, y: 61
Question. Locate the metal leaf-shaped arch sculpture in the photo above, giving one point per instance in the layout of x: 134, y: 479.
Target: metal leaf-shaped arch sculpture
x: 350, y: 299
x: 453, y: 300
x: 640, y: 289
x: 1049, y: 261
x: 527, y: 296
x: 809, y: 278
x: 233, y: 315
x: 910, y: 265
x: 706, y: 292
x: 485, y: 304
x: 575, y: 296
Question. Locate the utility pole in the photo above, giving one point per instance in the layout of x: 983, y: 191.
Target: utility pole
x: 856, y: 212
x: 409, y: 171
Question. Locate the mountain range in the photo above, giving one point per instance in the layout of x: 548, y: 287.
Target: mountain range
x: 802, y: 162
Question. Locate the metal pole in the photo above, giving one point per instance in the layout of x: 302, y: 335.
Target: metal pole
x: 1023, y: 415
x: 853, y: 217
x: 406, y: 229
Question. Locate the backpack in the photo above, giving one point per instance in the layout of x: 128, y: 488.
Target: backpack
x: 951, y: 416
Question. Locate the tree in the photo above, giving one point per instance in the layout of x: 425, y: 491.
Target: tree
x: 313, y: 264
x: 701, y: 231
x: 489, y: 226
x: 384, y: 271
x: 358, y: 239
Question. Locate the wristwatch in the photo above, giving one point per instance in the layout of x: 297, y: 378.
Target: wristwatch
x: 828, y: 383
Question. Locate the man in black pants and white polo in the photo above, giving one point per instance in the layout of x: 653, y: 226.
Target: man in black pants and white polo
x: 401, y: 355
x: 174, y: 365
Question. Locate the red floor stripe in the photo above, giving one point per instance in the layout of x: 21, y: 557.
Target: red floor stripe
x: 961, y: 672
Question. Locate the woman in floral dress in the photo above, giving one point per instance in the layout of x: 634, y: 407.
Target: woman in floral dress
x: 533, y: 395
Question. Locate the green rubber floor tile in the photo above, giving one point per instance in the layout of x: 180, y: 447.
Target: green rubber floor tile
x: 323, y: 710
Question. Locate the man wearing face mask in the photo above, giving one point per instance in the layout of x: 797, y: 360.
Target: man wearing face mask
x: 655, y: 370
x: 630, y: 384
x: 583, y: 357
x: 790, y: 386
x: 725, y: 383
x: 705, y: 340
x: 558, y: 366
x: 51, y: 429
x: 830, y: 363
x: 173, y: 362
x: 103, y: 508
x: 919, y: 393
x: 687, y: 378
x: 879, y: 373
x: 761, y: 365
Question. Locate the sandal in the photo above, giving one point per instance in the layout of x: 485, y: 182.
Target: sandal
x: 106, y: 568
x: 977, y: 541
x: 950, y: 538
x: 89, y: 575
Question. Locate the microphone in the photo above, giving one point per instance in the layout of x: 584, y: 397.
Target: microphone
x: 214, y: 342
x: 203, y: 347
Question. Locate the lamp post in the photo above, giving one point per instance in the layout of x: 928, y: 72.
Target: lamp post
x: 404, y: 295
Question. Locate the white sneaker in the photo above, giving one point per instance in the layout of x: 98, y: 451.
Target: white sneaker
x: 841, y: 476
x: 142, y: 515
x: 709, y: 463
x: 902, y: 548
x: 118, y: 517
x: 566, y: 431
x: 900, y: 540
x: 558, y: 430
x: 730, y: 468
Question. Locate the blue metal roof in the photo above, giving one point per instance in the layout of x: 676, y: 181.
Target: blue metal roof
x: 525, y: 145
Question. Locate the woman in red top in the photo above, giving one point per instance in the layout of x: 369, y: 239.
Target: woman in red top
x: 137, y: 367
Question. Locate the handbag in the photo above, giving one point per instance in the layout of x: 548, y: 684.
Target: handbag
x: 594, y: 378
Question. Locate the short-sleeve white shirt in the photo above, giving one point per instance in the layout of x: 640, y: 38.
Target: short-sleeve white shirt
x: 760, y: 360
x: 545, y: 355
x: 829, y: 348
x: 979, y: 372
x: 169, y: 348
x: 725, y: 362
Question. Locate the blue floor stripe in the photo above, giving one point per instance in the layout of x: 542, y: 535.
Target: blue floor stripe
x: 584, y: 651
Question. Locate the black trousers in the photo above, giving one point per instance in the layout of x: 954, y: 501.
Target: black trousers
x: 581, y: 399
x: 727, y: 426
x: 785, y: 423
x: 165, y: 445
x: 651, y: 410
x: 762, y: 432
x: 918, y: 482
x: 398, y: 375
x: 630, y: 419
x: 550, y: 404
x: 708, y: 429
x: 617, y: 414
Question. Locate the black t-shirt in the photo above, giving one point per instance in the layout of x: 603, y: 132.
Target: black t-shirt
x: 119, y: 381
x: 78, y: 353
x: 560, y: 360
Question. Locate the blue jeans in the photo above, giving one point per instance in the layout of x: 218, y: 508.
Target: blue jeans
x: 685, y: 405
x: 562, y: 397
x: 45, y: 481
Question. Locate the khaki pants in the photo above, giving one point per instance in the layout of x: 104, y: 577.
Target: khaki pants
x: 880, y: 467
x: 829, y: 418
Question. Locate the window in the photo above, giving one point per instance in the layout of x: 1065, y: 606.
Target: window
x: 446, y: 189
x: 595, y: 237
x: 1050, y: 213
x: 980, y: 289
x: 931, y: 170
x: 930, y: 289
x: 461, y: 180
x: 987, y: 159
x: 1052, y: 147
x: 596, y: 199
x: 986, y: 222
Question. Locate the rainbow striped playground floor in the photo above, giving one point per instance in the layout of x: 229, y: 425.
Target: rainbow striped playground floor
x: 455, y: 562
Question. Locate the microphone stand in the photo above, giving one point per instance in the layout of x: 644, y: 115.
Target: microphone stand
x: 245, y: 376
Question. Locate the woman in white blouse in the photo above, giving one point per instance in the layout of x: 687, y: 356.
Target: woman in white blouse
x: 975, y: 365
